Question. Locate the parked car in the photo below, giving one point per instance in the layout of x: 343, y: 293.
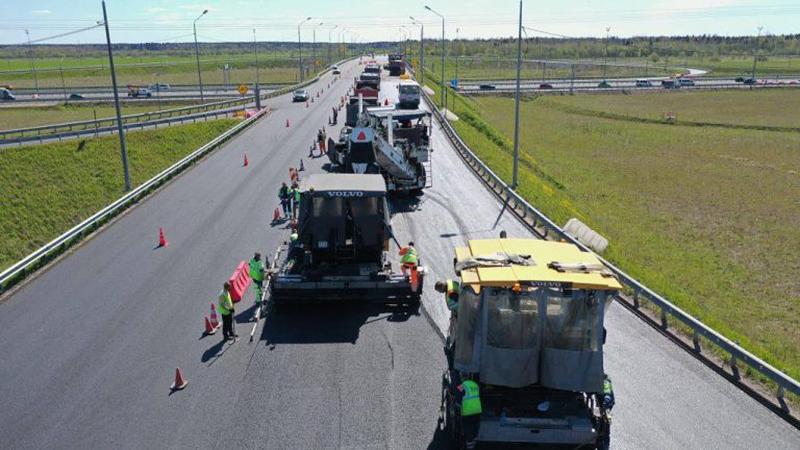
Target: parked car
x: 76, y: 96
x: 686, y: 82
x: 487, y: 87
x: 545, y: 86
x: 604, y: 84
x: 7, y: 95
x: 643, y: 83
x: 749, y: 81
x: 300, y: 95
x: 159, y: 87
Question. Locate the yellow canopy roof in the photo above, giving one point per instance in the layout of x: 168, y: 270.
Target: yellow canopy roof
x: 542, y: 253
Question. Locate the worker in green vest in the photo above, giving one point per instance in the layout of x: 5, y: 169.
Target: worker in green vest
x: 225, y: 306
x: 451, y: 290
x: 294, y: 236
x: 295, y: 200
x: 470, y: 404
x: 257, y: 275
x: 408, y: 257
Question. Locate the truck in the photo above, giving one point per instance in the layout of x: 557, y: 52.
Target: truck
x: 393, y: 143
x: 396, y: 65
x: 528, y: 329
x: 341, y: 251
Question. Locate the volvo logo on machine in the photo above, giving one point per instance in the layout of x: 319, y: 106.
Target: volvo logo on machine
x: 345, y: 194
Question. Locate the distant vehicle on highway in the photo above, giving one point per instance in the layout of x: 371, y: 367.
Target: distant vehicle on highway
x: 545, y: 86
x: 76, y: 96
x: 487, y: 87
x: 604, y: 84
x: 159, y: 87
x: 136, y: 92
x: 643, y: 83
x: 670, y: 84
x: 7, y: 95
x: 336, y: 70
x: 300, y: 95
x: 409, y: 94
x: 739, y: 79
x: 749, y: 81
x: 686, y: 82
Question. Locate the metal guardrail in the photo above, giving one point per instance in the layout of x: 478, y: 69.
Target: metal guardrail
x: 87, y: 127
x: 536, y: 219
x: 579, y: 88
x: 33, y: 261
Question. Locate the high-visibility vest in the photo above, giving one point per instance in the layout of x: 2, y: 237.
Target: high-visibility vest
x: 296, y: 193
x: 408, y: 255
x: 293, y: 237
x: 471, y: 403
x: 452, y: 293
x: 225, y: 303
x: 256, y: 270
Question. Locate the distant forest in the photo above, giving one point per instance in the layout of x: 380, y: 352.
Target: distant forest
x: 705, y: 46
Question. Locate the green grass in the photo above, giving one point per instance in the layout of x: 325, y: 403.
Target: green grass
x: 47, y: 189
x: 703, y: 215
x: 23, y: 117
x: 759, y: 107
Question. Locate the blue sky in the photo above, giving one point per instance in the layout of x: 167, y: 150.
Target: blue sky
x: 227, y: 20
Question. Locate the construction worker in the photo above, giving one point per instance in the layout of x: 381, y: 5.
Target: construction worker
x: 257, y: 275
x: 408, y: 257
x: 469, y: 402
x: 283, y: 196
x: 225, y: 306
x: 293, y: 237
x: 608, y: 393
x: 451, y: 290
x: 295, y: 199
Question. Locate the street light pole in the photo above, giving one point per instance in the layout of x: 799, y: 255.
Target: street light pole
x: 32, y: 64
x: 443, y: 54
x: 605, y: 57
x: 314, y: 44
x: 421, y: 49
x: 120, y: 128
x: 197, y: 54
x: 755, y: 50
x: 515, y: 179
x: 63, y: 85
x: 255, y: 50
x: 300, y: 46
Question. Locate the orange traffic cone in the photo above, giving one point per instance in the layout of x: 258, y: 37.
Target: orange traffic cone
x: 414, y: 279
x: 179, y: 382
x: 213, y: 318
x: 209, y: 328
x: 245, y: 160
x: 287, y: 123
x: 162, y: 241
x: 276, y: 216
x: 386, y: 102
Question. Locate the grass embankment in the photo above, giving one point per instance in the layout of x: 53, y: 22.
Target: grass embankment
x: 47, y: 189
x: 25, y: 116
x: 705, y: 216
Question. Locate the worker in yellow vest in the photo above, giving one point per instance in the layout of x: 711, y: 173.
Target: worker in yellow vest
x: 470, y: 405
x: 257, y: 275
x: 408, y: 264
x: 225, y: 306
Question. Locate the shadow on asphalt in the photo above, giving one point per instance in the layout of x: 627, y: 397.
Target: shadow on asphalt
x: 404, y: 203
x: 327, y: 323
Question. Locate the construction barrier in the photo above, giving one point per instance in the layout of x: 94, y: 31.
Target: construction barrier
x: 240, y: 281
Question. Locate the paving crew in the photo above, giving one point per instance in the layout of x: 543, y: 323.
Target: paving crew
x: 608, y: 393
x: 295, y: 199
x: 283, y: 195
x: 225, y: 306
x: 257, y: 275
x: 408, y: 257
x: 293, y: 237
x: 451, y: 290
x: 469, y: 402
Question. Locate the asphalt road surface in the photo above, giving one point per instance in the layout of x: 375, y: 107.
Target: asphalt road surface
x: 92, y: 343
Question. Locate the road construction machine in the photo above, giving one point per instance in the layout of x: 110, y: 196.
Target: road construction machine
x: 341, y: 247
x: 393, y: 143
x: 528, y: 329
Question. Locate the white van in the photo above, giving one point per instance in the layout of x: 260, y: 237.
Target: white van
x: 409, y: 94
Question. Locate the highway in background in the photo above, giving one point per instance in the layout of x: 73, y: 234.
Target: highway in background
x: 92, y: 342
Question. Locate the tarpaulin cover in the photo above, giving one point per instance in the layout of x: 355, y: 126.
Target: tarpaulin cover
x: 240, y: 281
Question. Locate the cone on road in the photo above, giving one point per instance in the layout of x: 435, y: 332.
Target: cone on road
x: 386, y: 102
x: 179, y: 382
x: 306, y: 103
x: 302, y: 167
x: 287, y: 123
x: 276, y: 216
x: 209, y: 328
x: 162, y: 241
x: 245, y: 160
x: 213, y: 317
x: 311, y: 151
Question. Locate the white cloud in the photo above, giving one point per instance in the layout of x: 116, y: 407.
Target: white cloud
x: 154, y: 9
x: 41, y: 12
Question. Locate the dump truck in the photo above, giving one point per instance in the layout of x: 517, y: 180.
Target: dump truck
x: 396, y: 65
x: 528, y: 329
x: 342, y: 247
x: 393, y: 143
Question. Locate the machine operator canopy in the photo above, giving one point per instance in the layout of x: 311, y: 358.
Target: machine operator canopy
x: 345, y: 185
x: 545, y: 265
